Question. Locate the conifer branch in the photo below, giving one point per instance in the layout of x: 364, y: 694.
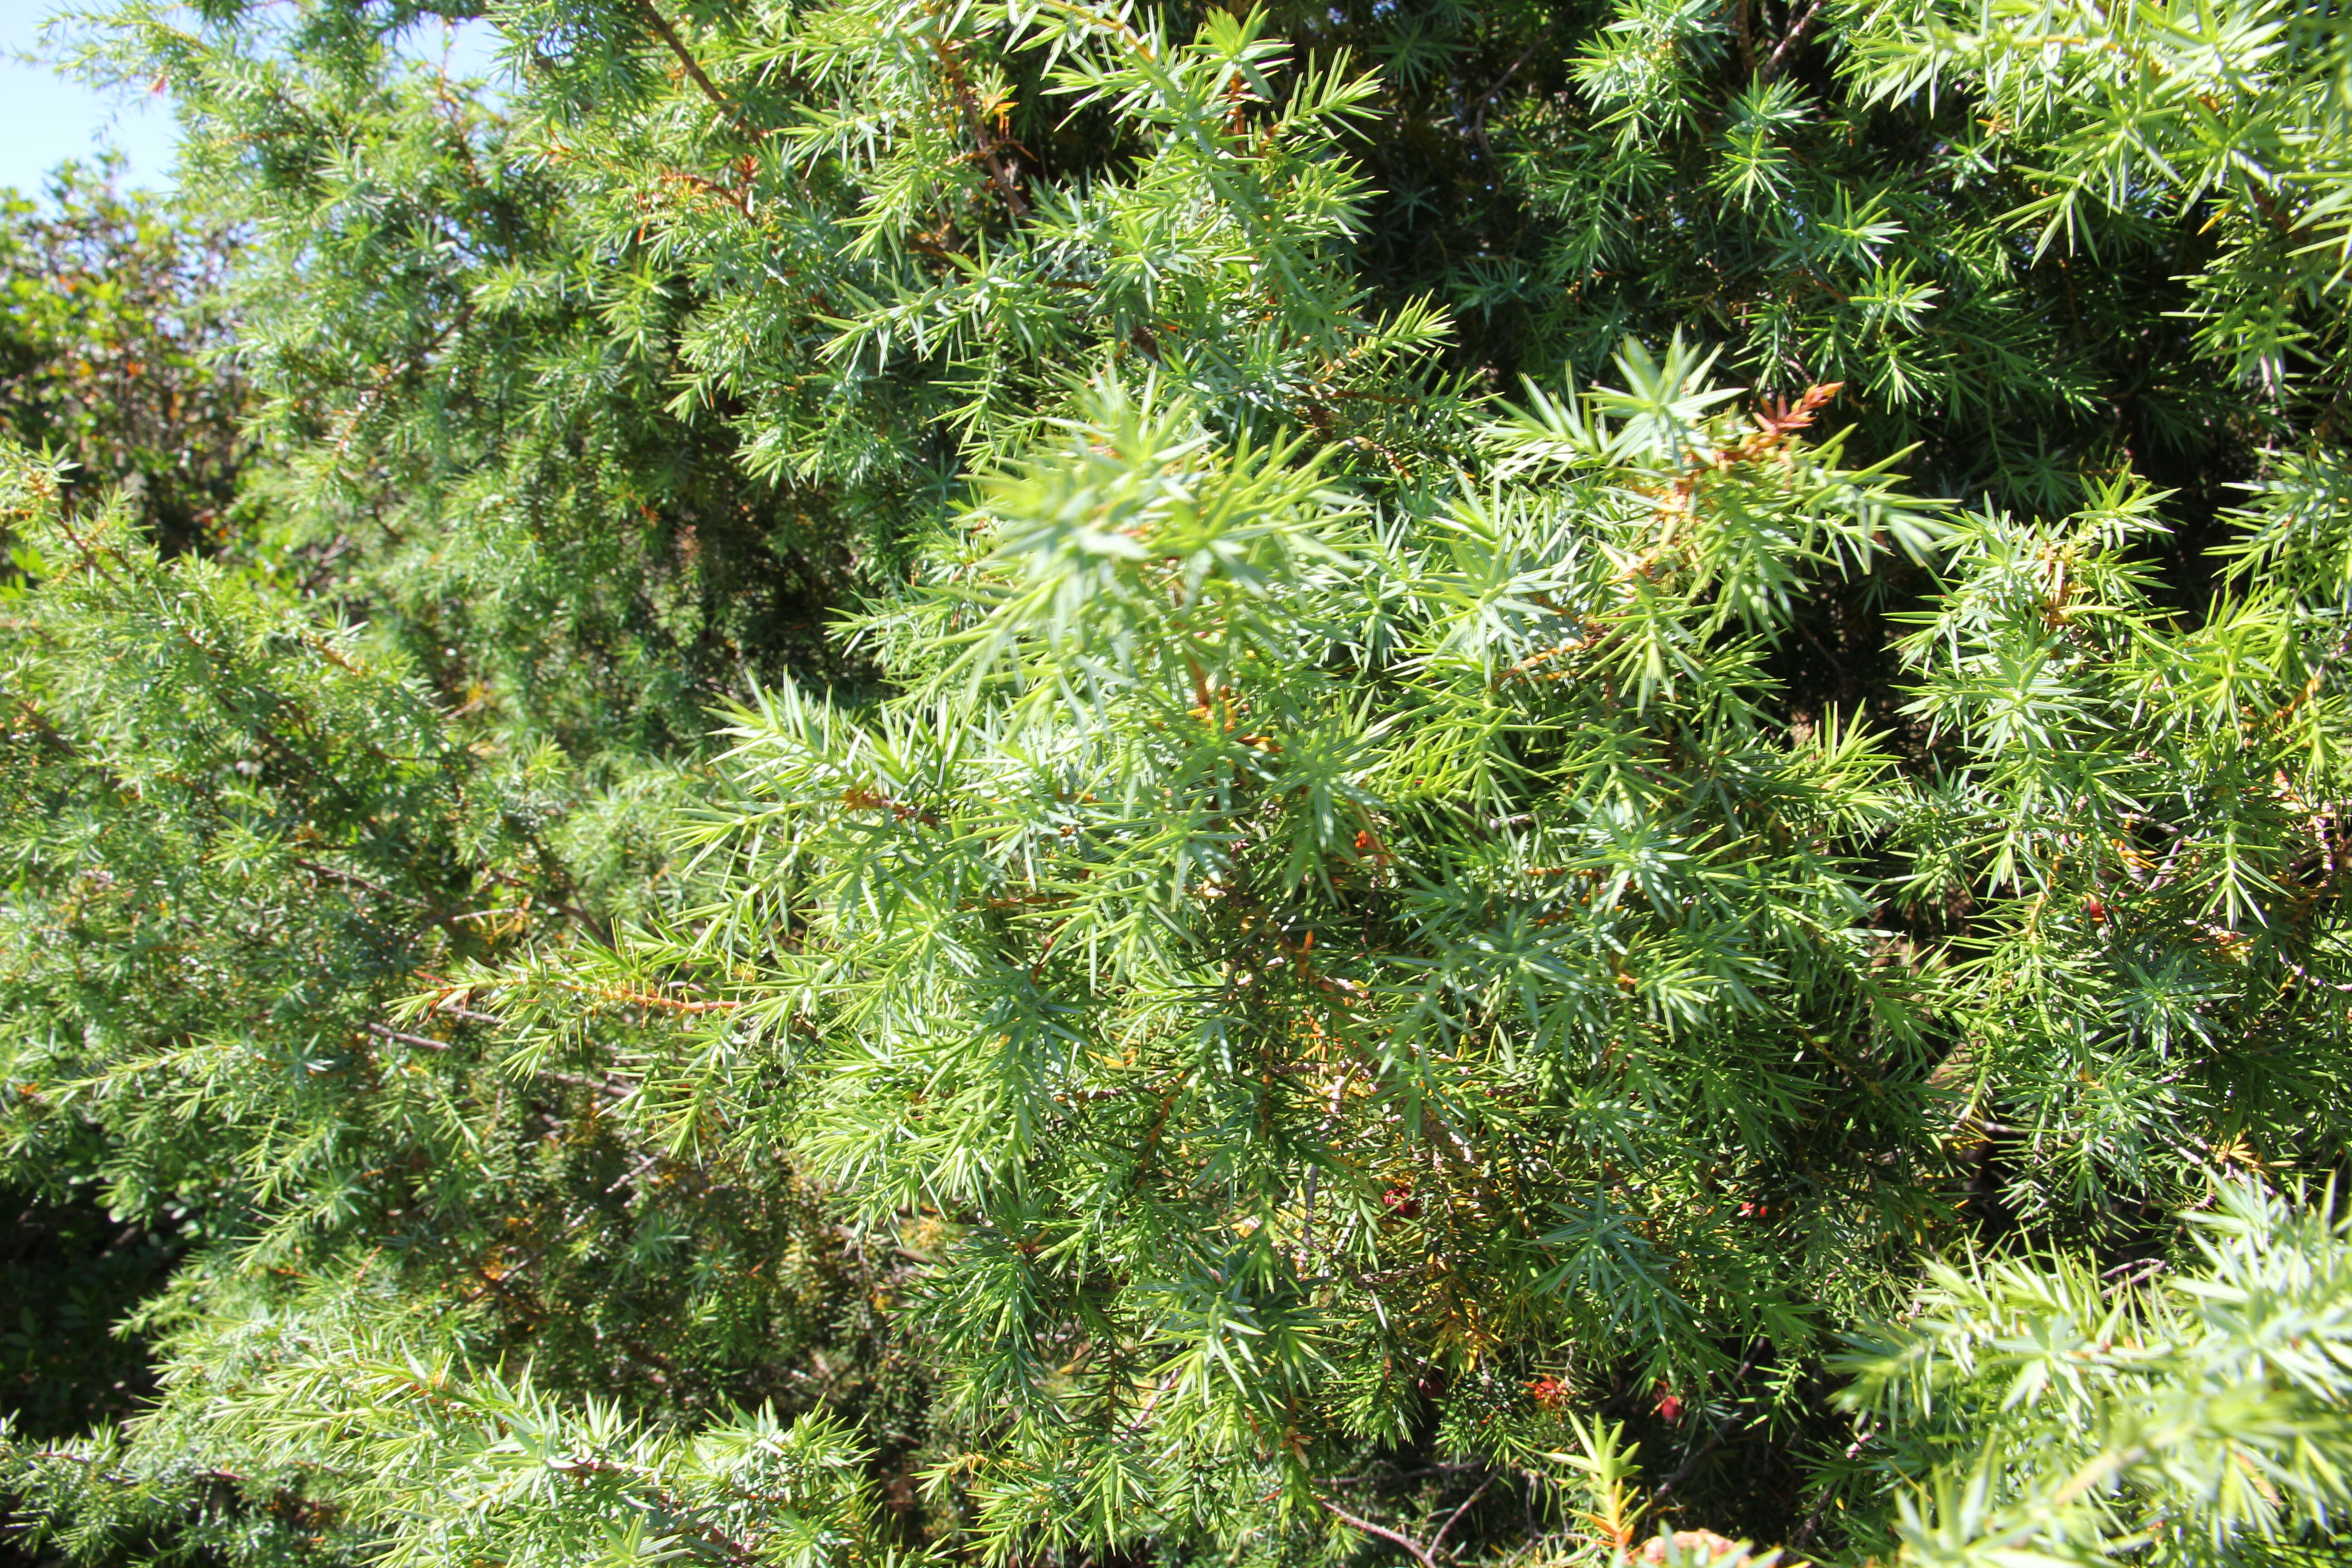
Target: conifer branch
x: 1779, y: 60
x: 1420, y: 1553
x: 693, y: 68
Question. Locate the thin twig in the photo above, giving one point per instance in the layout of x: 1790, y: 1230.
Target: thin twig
x: 1004, y: 177
x: 1821, y: 1504
x: 2148, y: 1269
x: 419, y: 1041
x: 1369, y: 1528
x: 353, y: 880
x: 1438, y: 1539
x: 1781, y: 55
x: 694, y: 68
x: 612, y: 1087
x: 1143, y: 1414
x: 1478, y: 115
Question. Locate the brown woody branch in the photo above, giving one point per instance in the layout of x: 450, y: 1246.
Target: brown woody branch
x: 1369, y: 1528
x: 693, y: 69
x: 1003, y: 178
x: 1788, y: 41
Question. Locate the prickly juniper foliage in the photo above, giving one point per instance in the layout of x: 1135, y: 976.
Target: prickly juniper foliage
x: 882, y: 780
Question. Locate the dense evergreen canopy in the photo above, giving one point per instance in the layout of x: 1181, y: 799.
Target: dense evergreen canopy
x: 838, y: 783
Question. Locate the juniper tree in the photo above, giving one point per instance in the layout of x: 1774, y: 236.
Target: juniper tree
x: 107, y: 317
x: 1290, y: 1089
x: 1336, y: 953
x: 111, y: 315
x: 235, y: 837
